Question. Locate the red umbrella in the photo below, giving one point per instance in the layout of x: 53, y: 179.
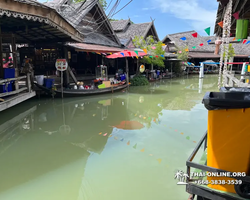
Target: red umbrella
x: 129, y: 125
x: 126, y: 53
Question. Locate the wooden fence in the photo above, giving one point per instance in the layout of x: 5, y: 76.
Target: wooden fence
x: 17, y: 90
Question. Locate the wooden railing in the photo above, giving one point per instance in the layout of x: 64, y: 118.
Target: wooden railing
x: 231, y: 81
x: 7, y: 81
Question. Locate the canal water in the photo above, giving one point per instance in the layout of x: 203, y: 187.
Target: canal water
x: 128, y: 145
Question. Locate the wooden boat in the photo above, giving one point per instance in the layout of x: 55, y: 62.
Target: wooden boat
x: 78, y: 92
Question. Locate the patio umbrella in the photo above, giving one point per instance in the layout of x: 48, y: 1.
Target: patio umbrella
x: 129, y: 125
x: 126, y: 53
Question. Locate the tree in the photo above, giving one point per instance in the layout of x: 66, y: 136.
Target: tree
x: 154, y: 50
x: 102, y: 2
x: 231, y: 54
x: 182, y: 53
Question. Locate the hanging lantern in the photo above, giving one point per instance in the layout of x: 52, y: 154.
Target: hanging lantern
x: 242, y: 28
x: 218, y: 42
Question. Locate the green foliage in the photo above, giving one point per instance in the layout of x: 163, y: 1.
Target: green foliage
x: 182, y: 54
x: 140, y: 42
x: 139, y: 81
x: 177, y: 68
x: 231, y: 52
x: 102, y: 2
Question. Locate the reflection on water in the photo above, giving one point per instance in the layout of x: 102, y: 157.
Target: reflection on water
x: 109, y: 147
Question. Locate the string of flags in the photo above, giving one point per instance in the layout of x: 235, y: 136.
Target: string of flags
x: 135, y: 145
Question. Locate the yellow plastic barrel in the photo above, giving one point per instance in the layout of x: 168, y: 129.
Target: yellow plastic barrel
x: 228, y: 139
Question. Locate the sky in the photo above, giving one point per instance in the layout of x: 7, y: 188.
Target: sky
x: 171, y: 16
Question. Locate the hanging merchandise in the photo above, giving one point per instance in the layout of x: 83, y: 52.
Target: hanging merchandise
x: 242, y: 28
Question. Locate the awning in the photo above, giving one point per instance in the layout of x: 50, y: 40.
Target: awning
x: 210, y: 55
x: 94, y: 48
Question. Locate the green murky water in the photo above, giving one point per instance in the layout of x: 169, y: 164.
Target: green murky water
x: 110, y: 147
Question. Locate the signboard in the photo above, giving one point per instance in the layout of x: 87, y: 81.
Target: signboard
x: 142, y: 68
x: 61, y: 64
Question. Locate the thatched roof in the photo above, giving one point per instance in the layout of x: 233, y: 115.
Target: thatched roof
x: 173, y: 40
x: 126, y: 30
x: 243, y: 6
x: 89, y: 18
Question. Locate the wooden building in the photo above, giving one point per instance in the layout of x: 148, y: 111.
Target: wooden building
x: 126, y: 31
x: 89, y: 18
x: 33, y: 27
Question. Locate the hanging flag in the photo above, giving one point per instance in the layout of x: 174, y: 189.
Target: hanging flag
x: 207, y: 30
x: 145, y: 50
x: 157, y: 56
x: 93, y: 52
x: 137, y: 53
x: 180, y: 51
x: 129, y: 53
x: 244, y: 41
x: 128, y: 143
x: 209, y: 41
x: 221, y: 24
x: 151, y: 56
x: 195, y: 35
x: 104, y: 54
x: 186, y: 50
x: 234, y: 39
x: 135, y: 146
x: 201, y: 44
x: 98, y: 53
x: 163, y: 44
x: 248, y: 42
x: 194, y: 47
x: 110, y: 53
x: 159, y: 160
x: 153, y: 47
x: 239, y: 40
x: 122, y: 54
x: 174, y: 53
x: 142, y: 150
x: 137, y: 57
x: 236, y: 15
x: 162, y: 56
x: 183, y: 38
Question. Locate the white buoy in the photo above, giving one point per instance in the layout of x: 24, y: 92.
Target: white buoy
x: 201, y: 71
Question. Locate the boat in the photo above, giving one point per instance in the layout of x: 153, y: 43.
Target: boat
x: 78, y: 92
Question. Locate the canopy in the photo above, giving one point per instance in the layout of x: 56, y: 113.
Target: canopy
x: 126, y: 53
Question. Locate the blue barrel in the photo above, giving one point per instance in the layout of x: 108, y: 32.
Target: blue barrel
x: 4, y: 89
x: 9, y: 73
x: 48, y: 83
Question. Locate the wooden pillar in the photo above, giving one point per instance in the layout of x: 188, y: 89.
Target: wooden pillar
x: 66, y: 73
x: 13, y: 47
x: 1, y: 56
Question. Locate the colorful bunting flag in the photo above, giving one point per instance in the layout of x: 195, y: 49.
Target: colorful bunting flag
x: 122, y: 54
x: 137, y: 53
x: 234, y: 39
x: 105, y: 134
x: 162, y: 56
x: 151, y: 56
x: 142, y: 150
x: 209, y: 41
x: 201, y: 44
x: 194, y: 47
x: 221, y: 24
x: 137, y: 57
x: 183, y: 38
x: 135, y: 146
x: 153, y: 47
x: 145, y: 50
x: 180, y: 51
x: 207, y: 30
x: 186, y: 50
x: 163, y: 44
x: 93, y: 52
x: 244, y: 41
x: 195, y: 35
x: 98, y: 53
x: 236, y: 15
x: 157, y: 56
x: 248, y: 42
x: 239, y: 40
x: 104, y: 54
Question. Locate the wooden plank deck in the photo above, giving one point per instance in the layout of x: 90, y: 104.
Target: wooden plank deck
x: 16, y: 99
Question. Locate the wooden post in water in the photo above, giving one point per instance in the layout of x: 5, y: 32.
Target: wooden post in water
x: 62, y: 83
x: 127, y: 71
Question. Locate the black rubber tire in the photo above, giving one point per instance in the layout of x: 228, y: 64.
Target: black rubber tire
x: 243, y: 190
